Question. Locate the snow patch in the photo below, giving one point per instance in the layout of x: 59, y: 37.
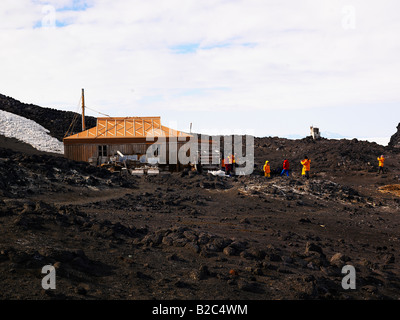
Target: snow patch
x: 28, y: 131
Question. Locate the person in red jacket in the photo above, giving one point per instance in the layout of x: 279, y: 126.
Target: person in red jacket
x: 285, y: 167
x: 228, y: 165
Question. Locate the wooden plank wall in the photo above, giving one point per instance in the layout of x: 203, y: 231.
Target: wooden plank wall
x: 82, y: 152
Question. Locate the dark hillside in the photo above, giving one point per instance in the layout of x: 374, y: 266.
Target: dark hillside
x: 56, y: 121
x: 395, y: 139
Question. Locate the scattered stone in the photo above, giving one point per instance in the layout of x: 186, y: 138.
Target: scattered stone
x: 82, y: 289
x: 233, y: 272
x: 311, y: 247
x: 182, y: 284
x: 249, y: 286
x: 200, y: 274
x: 273, y: 257
x: 173, y: 257
x: 192, y: 247
x: 388, y: 258
x: 229, y: 251
x: 245, y: 221
x: 339, y: 259
x: 370, y: 289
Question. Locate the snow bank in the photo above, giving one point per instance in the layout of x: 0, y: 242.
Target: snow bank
x: 28, y: 131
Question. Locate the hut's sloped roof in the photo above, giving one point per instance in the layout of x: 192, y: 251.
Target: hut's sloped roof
x: 128, y: 127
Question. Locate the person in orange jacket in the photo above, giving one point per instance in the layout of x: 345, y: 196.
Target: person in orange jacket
x: 267, y: 169
x: 381, y: 160
x: 306, y: 167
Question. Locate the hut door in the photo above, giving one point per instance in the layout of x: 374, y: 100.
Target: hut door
x: 102, y: 154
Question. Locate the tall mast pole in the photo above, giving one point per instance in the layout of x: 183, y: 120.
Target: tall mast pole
x: 83, y: 110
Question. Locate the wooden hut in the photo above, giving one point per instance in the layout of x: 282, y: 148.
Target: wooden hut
x: 128, y: 135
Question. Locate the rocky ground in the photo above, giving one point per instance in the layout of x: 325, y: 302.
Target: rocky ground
x: 196, y: 236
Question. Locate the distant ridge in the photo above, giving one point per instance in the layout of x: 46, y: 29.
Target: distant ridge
x: 395, y: 139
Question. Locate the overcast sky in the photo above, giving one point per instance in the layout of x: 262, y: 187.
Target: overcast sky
x: 269, y: 68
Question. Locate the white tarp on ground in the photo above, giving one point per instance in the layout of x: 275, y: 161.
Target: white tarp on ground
x: 218, y: 173
x: 28, y: 131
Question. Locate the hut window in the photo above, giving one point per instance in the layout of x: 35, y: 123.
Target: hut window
x: 102, y: 151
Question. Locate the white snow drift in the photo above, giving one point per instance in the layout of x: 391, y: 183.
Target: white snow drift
x: 28, y: 131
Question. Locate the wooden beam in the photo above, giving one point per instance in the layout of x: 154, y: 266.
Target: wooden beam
x: 83, y: 110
